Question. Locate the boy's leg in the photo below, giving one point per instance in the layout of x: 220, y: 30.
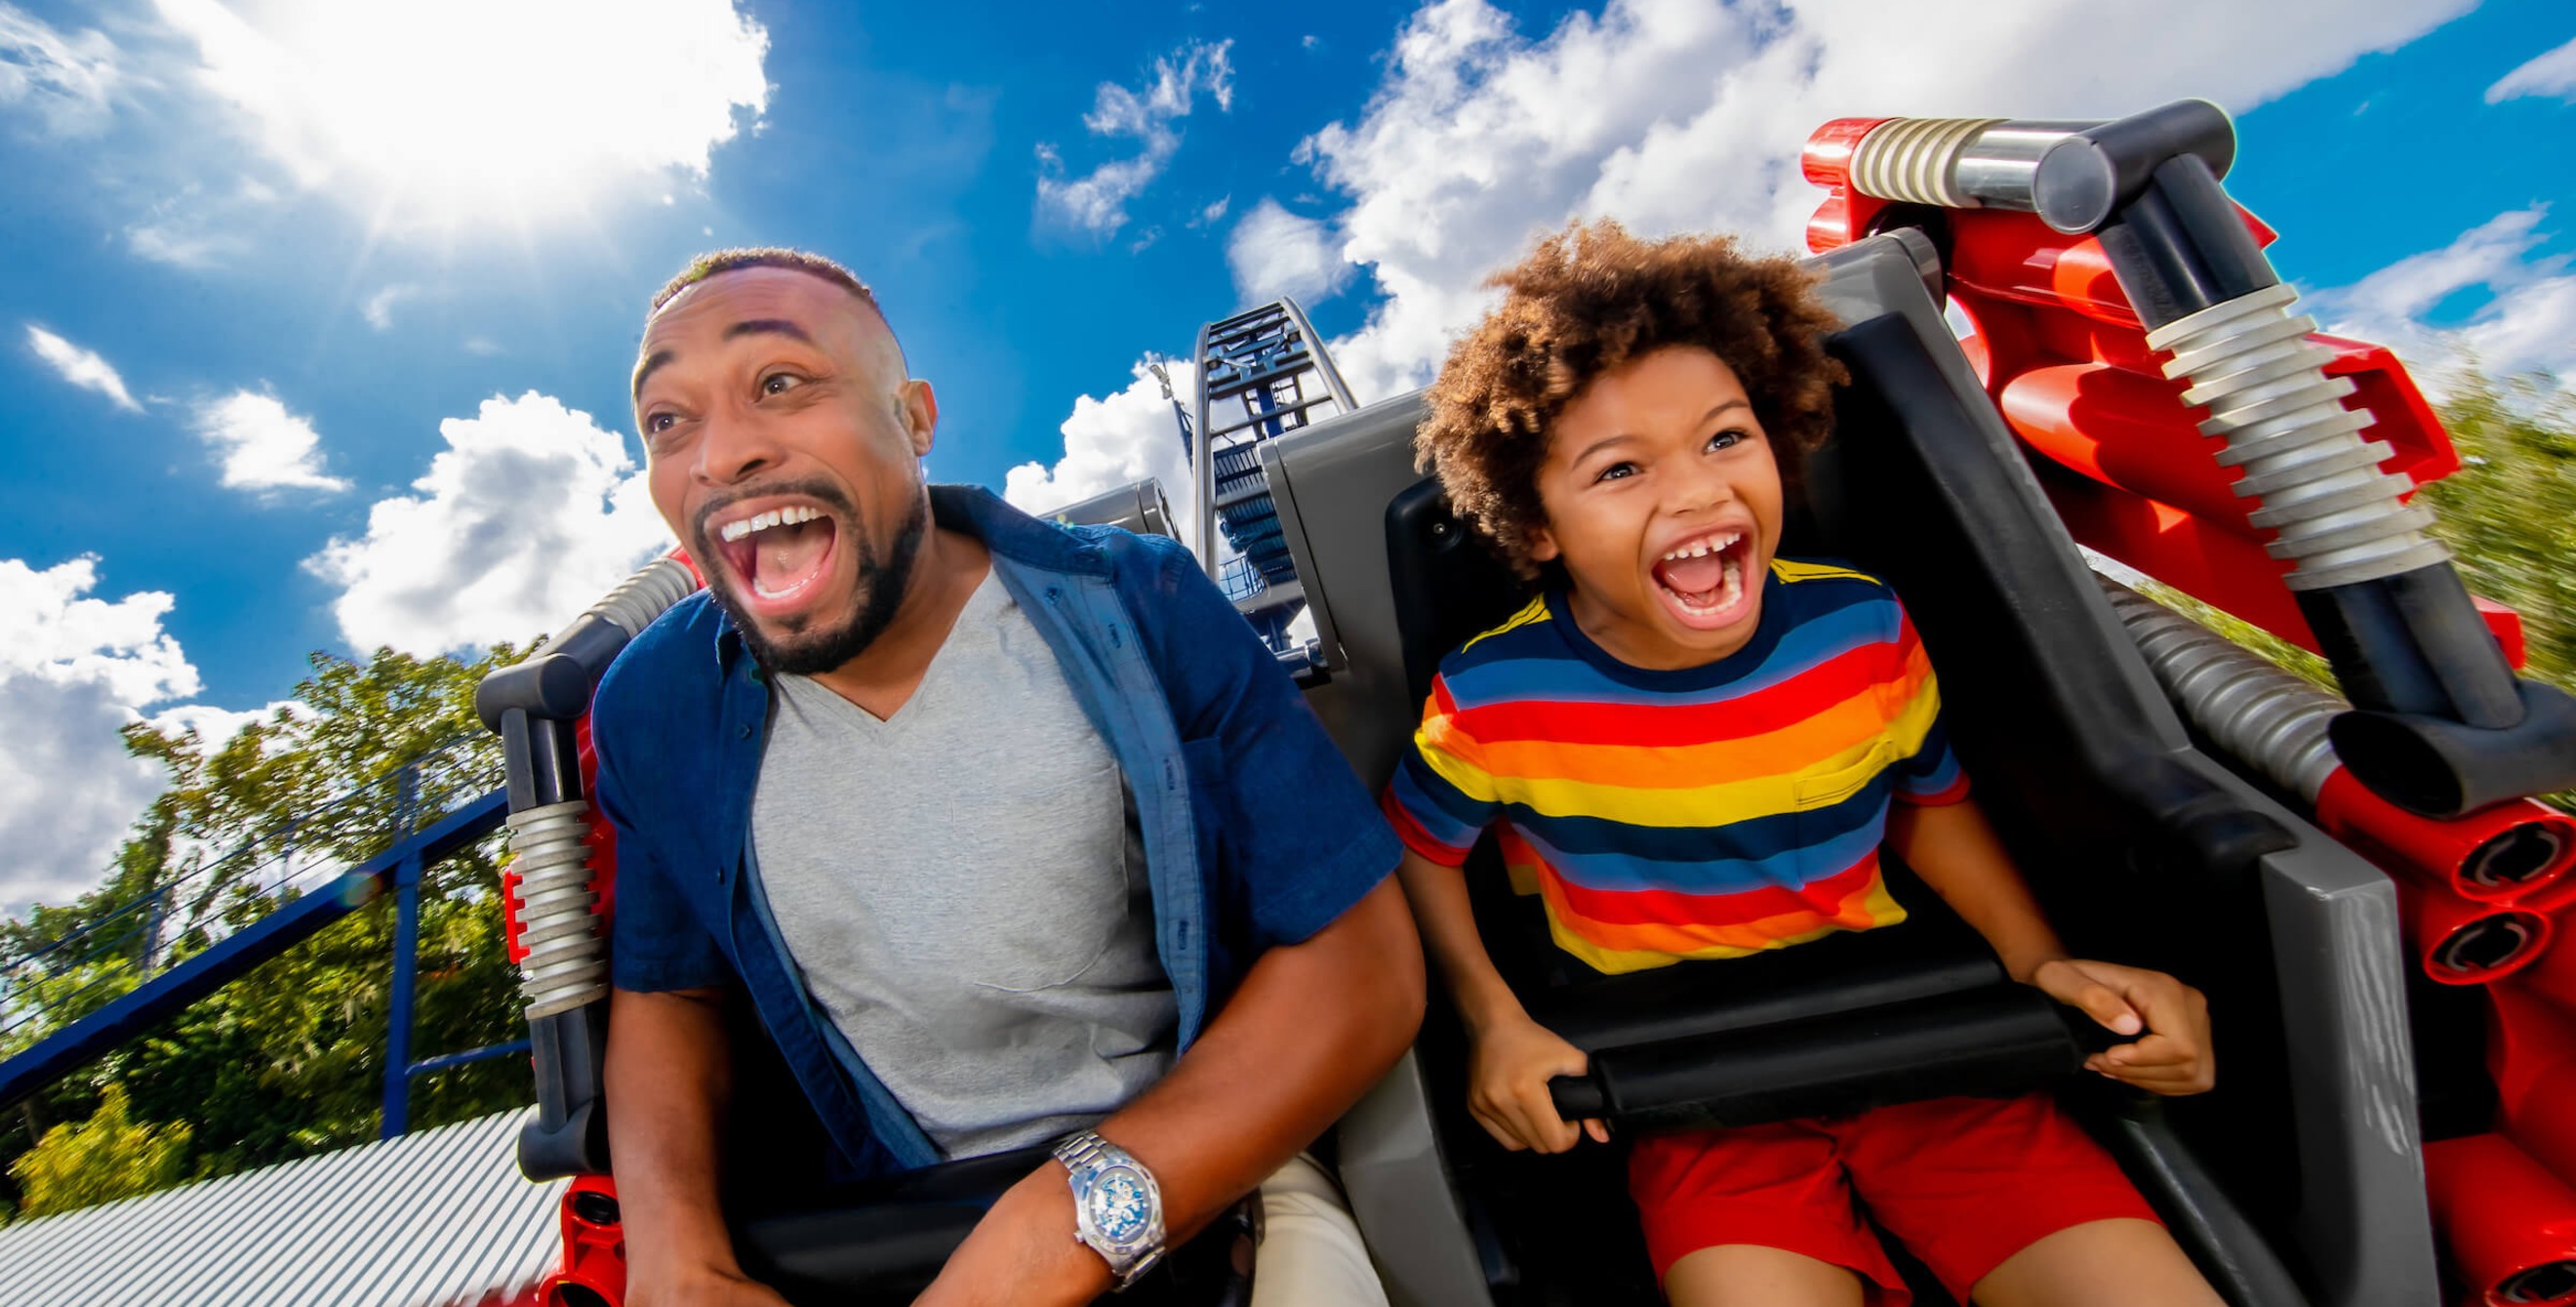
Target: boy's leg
x: 1750, y: 1275
x: 2113, y: 1263
x: 1757, y: 1215
x: 1976, y: 1185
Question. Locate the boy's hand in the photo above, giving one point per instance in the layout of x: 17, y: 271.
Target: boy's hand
x: 1509, y: 1063
x: 2174, y: 1057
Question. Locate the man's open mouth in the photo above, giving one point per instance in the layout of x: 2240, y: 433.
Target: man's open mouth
x: 777, y: 553
x: 1703, y: 578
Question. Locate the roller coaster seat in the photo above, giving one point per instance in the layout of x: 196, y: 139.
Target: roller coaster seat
x: 2141, y: 849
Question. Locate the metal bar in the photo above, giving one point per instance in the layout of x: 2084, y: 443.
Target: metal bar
x: 450, y: 1061
x: 1203, y: 464
x: 1323, y: 361
x: 91, y: 1037
x: 396, y: 1119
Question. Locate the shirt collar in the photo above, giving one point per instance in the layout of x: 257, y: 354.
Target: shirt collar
x: 1005, y: 530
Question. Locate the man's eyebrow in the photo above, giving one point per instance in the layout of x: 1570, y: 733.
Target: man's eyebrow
x: 645, y: 369
x: 768, y: 327
x: 753, y: 327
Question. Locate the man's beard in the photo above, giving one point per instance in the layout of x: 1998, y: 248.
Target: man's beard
x: 879, y: 586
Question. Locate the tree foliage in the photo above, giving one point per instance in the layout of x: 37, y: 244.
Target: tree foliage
x: 2509, y: 513
x: 289, y: 1059
x: 107, y: 1157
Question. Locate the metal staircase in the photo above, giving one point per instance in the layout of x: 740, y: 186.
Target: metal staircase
x: 1262, y: 373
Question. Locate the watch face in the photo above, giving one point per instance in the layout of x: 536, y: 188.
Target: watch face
x: 1120, y: 1207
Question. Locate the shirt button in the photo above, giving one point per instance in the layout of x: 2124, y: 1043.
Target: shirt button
x: 747, y: 730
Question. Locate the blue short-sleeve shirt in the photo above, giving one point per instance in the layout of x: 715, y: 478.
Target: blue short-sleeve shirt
x: 1256, y: 832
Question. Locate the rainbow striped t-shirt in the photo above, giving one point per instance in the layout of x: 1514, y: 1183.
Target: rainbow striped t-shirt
x: 1709, y: 812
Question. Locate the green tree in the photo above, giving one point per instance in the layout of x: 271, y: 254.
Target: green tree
x: 287, y: 1060
x: 107, y: 1157
x: 2509, y: 513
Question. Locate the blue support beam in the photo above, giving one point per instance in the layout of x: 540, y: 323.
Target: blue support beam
x: 450, y: 1061
x: 165, y: 995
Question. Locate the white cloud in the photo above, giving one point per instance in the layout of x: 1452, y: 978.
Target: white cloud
x: 2528, y: 323
x: 81, y: 367
x: 1097, y: 201
x: 1113, y: 442
x: 1274, y: 252
x: 1679, y: 115
x: 73, y: 671
x: 68, y: 81
x: 379, y: 308
x: 530, y: 513
x: 437, y: 115
x: 2551, y: 74
x: 1213, y: 213
x: 264, y: 447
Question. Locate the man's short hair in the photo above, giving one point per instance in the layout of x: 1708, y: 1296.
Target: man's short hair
x: 764, y: 256
x: 1588, y: 300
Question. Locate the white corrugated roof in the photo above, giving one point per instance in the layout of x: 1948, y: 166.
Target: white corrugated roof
x: 431, y: 1219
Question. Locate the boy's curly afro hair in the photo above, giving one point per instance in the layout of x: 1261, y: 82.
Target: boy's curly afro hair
x: 1588, y: 300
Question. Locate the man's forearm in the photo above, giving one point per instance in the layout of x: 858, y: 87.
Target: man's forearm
x: 1956, y: 852
x: 1310, y: 1029
x: 668, y: 1082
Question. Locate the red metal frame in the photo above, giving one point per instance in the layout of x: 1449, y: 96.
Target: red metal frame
x: 2062, y: 354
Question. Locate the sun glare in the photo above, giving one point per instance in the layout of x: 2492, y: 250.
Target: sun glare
x: 462, y: 112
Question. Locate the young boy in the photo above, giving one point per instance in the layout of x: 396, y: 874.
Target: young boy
x: 1691, y: 746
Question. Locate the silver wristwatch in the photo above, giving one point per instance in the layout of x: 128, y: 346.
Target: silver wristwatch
x: 1117, y: 1207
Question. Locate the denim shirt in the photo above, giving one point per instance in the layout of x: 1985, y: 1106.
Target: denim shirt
x: 1256, y: 833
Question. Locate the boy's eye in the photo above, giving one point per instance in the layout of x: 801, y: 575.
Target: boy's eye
x: 657, y: 423
x: 1615, y: 472
x: 777, y: 383
x: 1725, y: 439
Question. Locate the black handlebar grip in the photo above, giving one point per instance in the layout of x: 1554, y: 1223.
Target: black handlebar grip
x: 1578, y: 1098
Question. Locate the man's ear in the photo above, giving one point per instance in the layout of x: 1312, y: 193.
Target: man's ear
x: 919, y: 407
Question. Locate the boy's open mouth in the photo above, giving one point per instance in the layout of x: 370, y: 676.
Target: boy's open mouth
x: 1702, y: 579
x: 777, y: 553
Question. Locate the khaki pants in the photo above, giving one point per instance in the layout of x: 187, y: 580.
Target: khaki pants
x: 1311, y: 1254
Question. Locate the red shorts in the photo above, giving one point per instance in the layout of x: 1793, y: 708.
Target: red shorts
x: 1964, y: 1182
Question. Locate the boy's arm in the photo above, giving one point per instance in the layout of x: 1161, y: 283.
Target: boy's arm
x: 1511, y: 1056
x: 1956, y: 851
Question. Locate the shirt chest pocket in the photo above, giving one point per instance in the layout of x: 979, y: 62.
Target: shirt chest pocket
x: 1830, y: 788
x: 1833, y: 833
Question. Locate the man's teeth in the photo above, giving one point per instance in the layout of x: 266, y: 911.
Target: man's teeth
x: 736, y: 530
x: 1701, y: 548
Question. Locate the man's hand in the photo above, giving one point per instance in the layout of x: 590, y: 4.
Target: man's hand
x: 1023, y: 1251
x: 701, y: 1287
x: 1509, y: 1062
x: 2174, y: 1057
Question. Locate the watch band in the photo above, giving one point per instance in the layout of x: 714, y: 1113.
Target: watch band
x: 1085, y: 1155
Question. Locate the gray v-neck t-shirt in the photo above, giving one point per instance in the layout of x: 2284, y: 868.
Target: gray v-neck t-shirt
x: 963, y: 887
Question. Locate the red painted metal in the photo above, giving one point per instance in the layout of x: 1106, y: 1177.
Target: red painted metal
x: 593, y: 1273
x: 2447, y: 852
x: 2501, y: 1215
x: 2062, y: 353
x: 2458, y: 941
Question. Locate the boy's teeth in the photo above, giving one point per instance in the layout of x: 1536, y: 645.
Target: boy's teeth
x: 1704, y: 548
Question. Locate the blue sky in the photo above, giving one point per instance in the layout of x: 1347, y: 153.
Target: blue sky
x: 264, y: 251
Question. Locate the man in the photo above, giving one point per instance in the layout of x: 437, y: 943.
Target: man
x: 1007, y: 831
